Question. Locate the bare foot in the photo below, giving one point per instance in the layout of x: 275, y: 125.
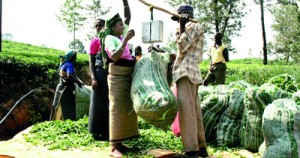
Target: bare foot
x: 123, y: 148
x: 115, y: 153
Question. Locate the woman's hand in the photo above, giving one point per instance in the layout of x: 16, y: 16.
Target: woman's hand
x: 129, y: 35
x: 94, y: 85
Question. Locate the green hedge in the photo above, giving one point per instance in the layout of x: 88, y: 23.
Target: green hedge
x: 33, y: 66
x: 253, y: 71
x: 24, y: 67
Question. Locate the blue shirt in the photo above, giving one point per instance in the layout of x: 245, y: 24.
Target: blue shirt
x: 68, y: 67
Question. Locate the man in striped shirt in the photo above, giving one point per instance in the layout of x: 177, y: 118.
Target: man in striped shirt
x: 187, y: 76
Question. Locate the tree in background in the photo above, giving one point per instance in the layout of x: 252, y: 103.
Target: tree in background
x: 262, y: 18
x: 295, y: 3
x: 94, y: 11
x: 286, y: 42
x: 71, y: 15
x: 171, y: 45
x: 78, y: 46
x: 7, y: 36
x: 222, y: 16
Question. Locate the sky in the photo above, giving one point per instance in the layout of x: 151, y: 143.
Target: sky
x: 35, y: 22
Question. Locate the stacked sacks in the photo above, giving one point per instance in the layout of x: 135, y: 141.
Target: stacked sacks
x: 281, y: 129
x: 240, y: 84
x: 152, y: 97
x: 255, y: 101
x: 212, y: 107
x: 204, y: 91
x: 262, y: 149
x: 285, y: 82
x: 296, y: 97
x: 230, y: 122
x: 275, y: 91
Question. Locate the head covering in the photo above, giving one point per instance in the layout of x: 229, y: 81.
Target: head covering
x: 181, y: 8
x: 113, y: 20
x: 103, y: 33
x: 68, y: 55
x: 108, y: 24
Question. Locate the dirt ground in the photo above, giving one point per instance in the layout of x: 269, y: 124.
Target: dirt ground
x: 18, y: 148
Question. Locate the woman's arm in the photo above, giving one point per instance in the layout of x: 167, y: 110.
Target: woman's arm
x: 92, y: 71
x: 127, y: 13
x: 74, y: 78
x: 116, y: 55
x: 94, y: 47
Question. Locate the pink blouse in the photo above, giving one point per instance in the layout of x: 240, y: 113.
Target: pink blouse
x: 95, y: 46
x: 112, y: 43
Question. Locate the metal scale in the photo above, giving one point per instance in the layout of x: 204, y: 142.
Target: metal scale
x: 152, y: 30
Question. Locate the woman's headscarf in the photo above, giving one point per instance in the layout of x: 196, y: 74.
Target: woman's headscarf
x: 68, y: 55
x: 105, y: 32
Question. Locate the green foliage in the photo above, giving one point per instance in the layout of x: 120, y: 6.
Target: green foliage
x: 296, y: 97
x: 70, y: 15
x: 26, y: 66
x: 171, y: 46
x: 23, y: 62
x: 74, y: 15
x: 286, y: 43
x: 289, y: 2
x: 252, y: 71
x: 94, y: 11
x: 153, y: 138
x: 78, y: 46
x: 65, y: 135
x: 222, y: 16
x: 285, y: 82
x: 151, y: 95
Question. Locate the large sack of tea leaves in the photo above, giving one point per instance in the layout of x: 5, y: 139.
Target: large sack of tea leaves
x: 229, y: 126
x: 275, y: 91
x: 296, y: 97
x: 204, y: 92
x: 240, y: 84
x: 212, y: 107
x: 285, y: 82
x: 255, y: 101
x: 82, y: 99
x: 281, y: 129
x: 152, y: 97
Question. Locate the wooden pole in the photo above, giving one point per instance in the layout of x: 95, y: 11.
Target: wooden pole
x: 165, y: 10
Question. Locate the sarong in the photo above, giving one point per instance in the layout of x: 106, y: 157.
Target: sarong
x: 123, y: 122
x: 99, y: 111
x: 64, y: 106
